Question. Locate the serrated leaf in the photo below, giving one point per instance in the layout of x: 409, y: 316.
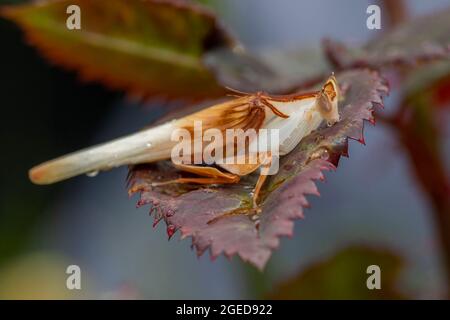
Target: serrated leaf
x: 143, y: 47
x: 220, y: 218
x: 422, y: 39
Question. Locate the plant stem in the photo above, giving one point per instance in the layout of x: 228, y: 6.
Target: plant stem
x: 397, y: 11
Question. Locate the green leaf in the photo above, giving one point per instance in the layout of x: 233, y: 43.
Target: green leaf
x: 344, y: 276
x: 143, y: 47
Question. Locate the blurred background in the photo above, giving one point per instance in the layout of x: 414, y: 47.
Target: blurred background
x: 371, y: 210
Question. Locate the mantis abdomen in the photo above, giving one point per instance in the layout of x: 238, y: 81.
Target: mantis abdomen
x: 145, y: 146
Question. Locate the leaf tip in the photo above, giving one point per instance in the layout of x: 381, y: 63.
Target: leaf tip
x: 171, y: 229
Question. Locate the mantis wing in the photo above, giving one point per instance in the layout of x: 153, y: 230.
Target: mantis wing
x: 240, y: 113
x: 148, y: 145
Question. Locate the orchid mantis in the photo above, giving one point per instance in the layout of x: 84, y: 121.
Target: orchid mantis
x: 294, y: 116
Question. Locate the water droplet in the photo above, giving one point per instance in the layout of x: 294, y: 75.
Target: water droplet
x: 325, y: 155
x: 92, y: 173
x: 321, y: 153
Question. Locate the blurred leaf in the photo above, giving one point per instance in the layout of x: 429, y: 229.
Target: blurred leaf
x: 40, y: 275
x: 430, y: 79
x: 143, y: 47
x: 344, y: 276
x: 422, y: 39
x: 269, y: 70
x: 419, y: 119
x: 420, y: 125
x: 220, y: 218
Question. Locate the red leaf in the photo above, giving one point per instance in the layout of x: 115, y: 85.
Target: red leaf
x: 220, y: 218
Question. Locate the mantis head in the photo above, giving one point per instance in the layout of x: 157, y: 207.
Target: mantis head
x: 327, y: 101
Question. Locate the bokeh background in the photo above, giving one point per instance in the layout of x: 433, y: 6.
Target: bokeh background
x: 371, y: 207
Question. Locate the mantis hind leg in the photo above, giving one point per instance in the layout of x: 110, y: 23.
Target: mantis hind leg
x: 211, y: 175
x: 207, y: 175
x: 266, y: 163
x: 262, y: 178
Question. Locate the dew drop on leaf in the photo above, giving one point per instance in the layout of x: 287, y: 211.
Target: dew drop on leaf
x: 321, y: 153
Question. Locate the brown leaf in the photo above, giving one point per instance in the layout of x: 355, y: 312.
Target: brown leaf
x: 142, y: 47
x: 219, y: 218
